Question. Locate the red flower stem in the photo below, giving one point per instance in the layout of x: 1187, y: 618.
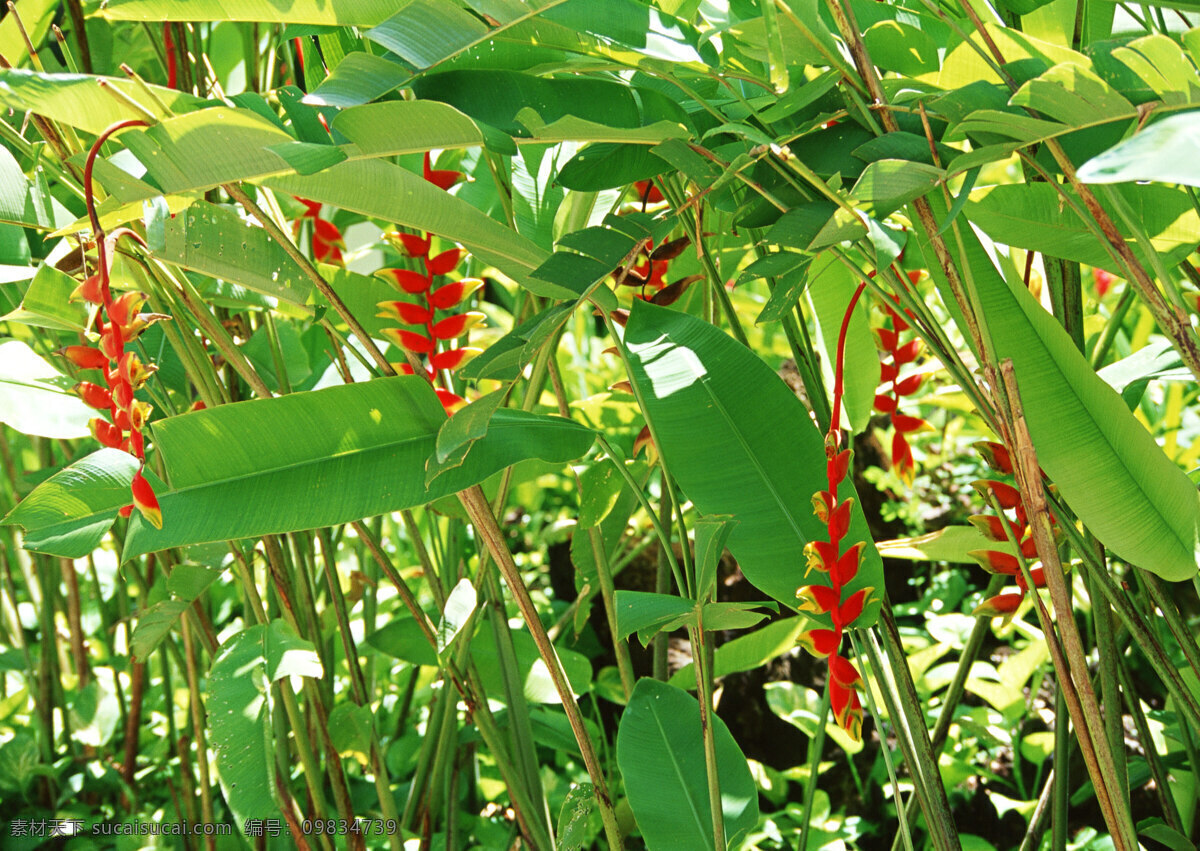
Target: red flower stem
x: 839, y: 370
x: 89, y: 196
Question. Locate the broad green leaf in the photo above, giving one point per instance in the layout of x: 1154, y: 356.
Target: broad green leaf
x: 712, y: 533
x: 402, y: 638
x: 186, y: 583
x: 256, y: 467
x: 1074, y: 95
x: 459, y: 606
x: 536, y: 680
x: 359, y: 78
x: 347, y: 13
x: 1034, y: 216
x: 1156, y: 361
x: 467, y: 425
x: 747, y: 652
x: 425, y: 32
x: 386, y: 191
x: 95, y: 710
x: 26, y: 202
x: 708, y: 397
x: 887, y: 185
x: 36, y: 17
x: 47, y: 303
x: 350, y: 729
x: 1161, y: 63
x: 578, y: 818
x: 647, y: 613
x: 721, y: 616
x: 949, y: 544
x: 77, y: 100
x: 830, y: 288
x: 1107, y: 466
x: 406, y: 127
x: 239, y: 712
x: 216, y: 241
x: 35, y: 398
x: 68, y: 514
x: 901, y: 47
x: 1167, y: 151
x: 661, y: 754
x: 600, y: 486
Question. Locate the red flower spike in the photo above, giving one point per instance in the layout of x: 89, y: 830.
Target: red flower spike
x: 850, y: 610
x: 884, y: 404
x: 905, y: 424
x: 312, y: 209
x: 450, y: 401
x: 136, y: 445
x: 125, y: 510
x: 837, y: 468
x: 991, y: 527
x: 898, y: 322
x: 145, y: 501
x: 1029, y: 548
x: 106, y: 433
x: 853, y: 721
x: 457, y: 325
x: 909, y: 352
x: 452, y: 295
x: 820, y: 503
x: 902, y: 457
x: 140, y: 323
x: 886, y: 339
x: 1006, y: 494
x: 91, y: 290
x: 412, y: 244
x: 453, y: 358
x: 94, y: 395
x: 132, y: 371
x: 126, y: 307
x: 915, y: 276
x: 819, y: 642
x: 112, y: 343
x: 996, y: 455
x: 122, y: 395
x: 418, y: 344
x: 996, y: 562
x: 846, y: 567
x: 121, y: 419
x: 843, y: 671
x: 887, y: 372
x: 817, y: 599
x: 1104, y: 281
x: 404, y: 312
x: 328, y: 233
x: 441, y: 178
x: 1002, y: 604
x: 839, y: 520
x: 840, y: 701
x: 445, y: 262
x: 406, y: 280
x: 820, y: 555
x: 647, y: 192
x: 910, y: 385
x: 198, y: 405
x: 139, y: 414
x: 85, y: 357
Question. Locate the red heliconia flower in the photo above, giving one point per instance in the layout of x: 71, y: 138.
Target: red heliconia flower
x: 414, y: 244
x: 452, y: 402
x: 327, y: 242
x: 1104, y: 281
x: 451, y: 295
x: 106, y: 433
x: 452, y: 359
x: 444, y: 263
x: 647, y: 192
x: 893, y: 388
x: 406, y: 280
x: 1000, y: 605
x: 821, y: 643
x: 441, y: 178
x: 145, y: 501
x: 456, y: 325
x: 85, y: 357
x: 91, y: 290
x: 94, y: 395
x: 124, y: 309
x: 405, y: 312
x: 416, y: 343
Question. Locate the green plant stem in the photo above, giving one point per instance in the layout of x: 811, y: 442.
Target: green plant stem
x: 1161, y: 775
x: 816, y: 744
x: 1073, y: 668
x: 196, y: 703
x: 1061, y: 796
x: 897, y: 796
x: 485, y: 525
x: 1112, y: 328
x: 704, y: 691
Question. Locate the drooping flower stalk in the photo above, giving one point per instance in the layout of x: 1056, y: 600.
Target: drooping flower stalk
x: 893, y: 355
x: 432, y: 320
x: 993, y: 528
x: 839, y: 563
x: 118, y: 322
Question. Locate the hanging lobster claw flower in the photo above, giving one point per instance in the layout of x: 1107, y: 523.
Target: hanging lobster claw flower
x: 1001, y: 605
x: 404, y: 312
x: 94, y: 395
x: 411, y: 244
x: 418, y: 344
x: 441, y: 178
x: 444, y: 262
x: 817, y: 599
x: 106, y: 433
x: 90, y: 291
x: 457, y: 325
x: 454, y: 294
x: 452, y: 359
x: 122, y: 395
x: 819, y: 642
x: 124, y: 309
x: 145, y: 501
x: 452, y: 402
x: 85, y: 357
x: 849, y: 611
x: 996, y: 562
x: 843, y: 671
x: 132, y: 371
x: 406, y: 280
